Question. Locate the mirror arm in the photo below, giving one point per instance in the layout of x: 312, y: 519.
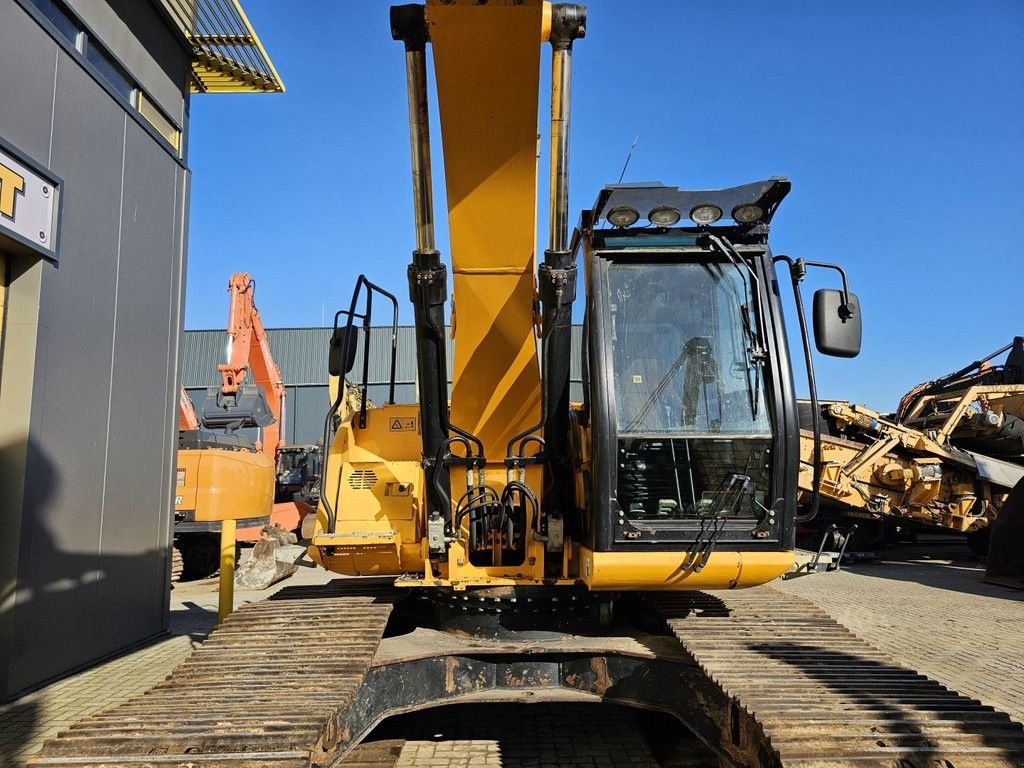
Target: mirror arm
x: 845, y: 310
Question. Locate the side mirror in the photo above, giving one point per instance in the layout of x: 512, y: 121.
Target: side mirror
x: 343, y: 338
x: 837, y: 326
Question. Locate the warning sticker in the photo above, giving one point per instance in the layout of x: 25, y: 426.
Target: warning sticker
x: 404, y: 424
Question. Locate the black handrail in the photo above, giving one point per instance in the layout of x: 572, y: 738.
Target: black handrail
x: 797, y: 272
x: 346, y: 351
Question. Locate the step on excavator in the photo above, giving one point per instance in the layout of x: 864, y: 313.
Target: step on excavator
x: 503, y: 544
x: 223, y: 475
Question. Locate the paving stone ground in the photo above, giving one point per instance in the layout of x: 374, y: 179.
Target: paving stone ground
x: 535, y: 736
x: 27, y: 722
x: 520, y: 736
x: 927, y: 606
x: 924, y: 605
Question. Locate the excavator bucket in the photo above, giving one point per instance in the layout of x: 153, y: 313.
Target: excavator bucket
x: 1006, y: 550
x: 273, y: 559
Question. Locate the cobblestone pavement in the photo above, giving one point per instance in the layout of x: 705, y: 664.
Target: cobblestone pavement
x: 930, y: 610
x: 27, y: 722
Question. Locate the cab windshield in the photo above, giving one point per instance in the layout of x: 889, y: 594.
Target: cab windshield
x: 684, y: 341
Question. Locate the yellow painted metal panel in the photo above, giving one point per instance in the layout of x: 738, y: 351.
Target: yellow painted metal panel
x: 374, y: 482
x: 392, y: 433
x: 487, y: 63
x: 225, y: 485
x: 665, y: 570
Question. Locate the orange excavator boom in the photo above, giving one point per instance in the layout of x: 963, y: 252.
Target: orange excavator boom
x: 249, y: 355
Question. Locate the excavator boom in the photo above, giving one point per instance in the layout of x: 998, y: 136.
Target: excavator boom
x: 236, y: 403
x: 487, y: 66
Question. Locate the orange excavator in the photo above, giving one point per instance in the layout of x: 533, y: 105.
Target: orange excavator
x: 221, y: 474
x: 187, y: 418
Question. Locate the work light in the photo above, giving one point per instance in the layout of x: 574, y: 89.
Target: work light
x: 623, y: 216
x: 747, y: 214
x: 663, y: 216
x: 706, y: 214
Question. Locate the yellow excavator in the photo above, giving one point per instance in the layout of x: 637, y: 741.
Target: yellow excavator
x: 677, y: 472
x: 512, y: 546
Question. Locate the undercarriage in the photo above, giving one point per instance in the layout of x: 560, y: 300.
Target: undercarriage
x: 763, y: 678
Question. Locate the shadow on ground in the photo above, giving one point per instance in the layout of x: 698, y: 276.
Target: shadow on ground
x: 531, y: 735
x: 951, y: 568
x: 193, y: 620
x: 921, y: 717
x: 15, y: 720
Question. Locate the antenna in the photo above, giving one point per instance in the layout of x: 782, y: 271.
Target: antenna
x: 628, y: 156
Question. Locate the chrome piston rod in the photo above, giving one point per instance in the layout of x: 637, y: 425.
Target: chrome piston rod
x: 419, y: 141
x: 428, y: 277
x: 567, y: 24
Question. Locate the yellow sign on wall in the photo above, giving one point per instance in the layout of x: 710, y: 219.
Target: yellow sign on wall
x: 11, y: 183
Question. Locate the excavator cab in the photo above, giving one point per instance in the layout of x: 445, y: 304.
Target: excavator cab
x: 689, y: 392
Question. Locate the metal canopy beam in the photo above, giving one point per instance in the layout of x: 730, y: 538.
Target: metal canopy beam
x: 227, y: 55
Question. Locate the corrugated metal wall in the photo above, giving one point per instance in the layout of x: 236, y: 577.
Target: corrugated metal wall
x: 92, y: 571
x: 301, y: 354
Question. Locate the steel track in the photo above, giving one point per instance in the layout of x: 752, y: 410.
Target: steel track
x: 261, y: 691
x: 766, y: 679
x: 821, y: 696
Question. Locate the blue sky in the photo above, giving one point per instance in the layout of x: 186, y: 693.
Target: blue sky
x: 899, y: 124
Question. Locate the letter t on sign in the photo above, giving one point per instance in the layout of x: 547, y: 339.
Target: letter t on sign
x: 10, y: 183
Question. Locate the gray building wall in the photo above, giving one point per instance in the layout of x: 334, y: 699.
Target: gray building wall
x: 134, y: 31
x: 89, y: 366
x: 301, y: 354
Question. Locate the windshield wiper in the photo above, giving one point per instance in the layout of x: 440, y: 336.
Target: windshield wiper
x: 645, y: 409
x: 727, y: 502
x: 757, y: 352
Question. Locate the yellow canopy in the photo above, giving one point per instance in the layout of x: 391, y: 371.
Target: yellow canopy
x: 227, y: 55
